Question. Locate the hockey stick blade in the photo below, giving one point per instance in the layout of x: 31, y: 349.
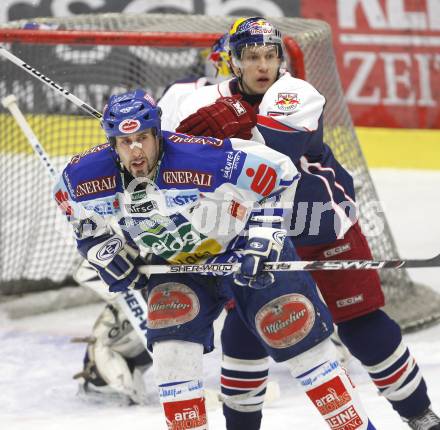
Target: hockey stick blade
x: 289, y: 266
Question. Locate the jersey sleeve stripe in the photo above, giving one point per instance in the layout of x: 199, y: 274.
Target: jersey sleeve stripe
x: 268, y: 122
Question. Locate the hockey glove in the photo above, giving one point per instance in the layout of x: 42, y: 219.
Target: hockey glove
x: 115, y: 260
x: 227, y: 117
x: 264, y: 245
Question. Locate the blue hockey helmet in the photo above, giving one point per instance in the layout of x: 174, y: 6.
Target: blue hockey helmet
x: 253, y: 31
x: 130, y: 112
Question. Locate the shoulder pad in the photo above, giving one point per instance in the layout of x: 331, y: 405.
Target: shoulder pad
x: 294, y: 103
x: 177, y: 139
x: 92, y: 174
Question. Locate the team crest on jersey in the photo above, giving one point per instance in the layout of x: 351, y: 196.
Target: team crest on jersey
x: 286, y: 320
x: 129, y: 126
x: 287, y: 101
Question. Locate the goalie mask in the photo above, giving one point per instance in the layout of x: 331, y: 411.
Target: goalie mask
x: 129, y: 113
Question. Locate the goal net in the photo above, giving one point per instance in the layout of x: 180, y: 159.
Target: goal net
x: 94, y: 56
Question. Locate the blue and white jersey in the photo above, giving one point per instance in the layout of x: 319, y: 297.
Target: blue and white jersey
x: 289, y: 120
x: 203, y: 195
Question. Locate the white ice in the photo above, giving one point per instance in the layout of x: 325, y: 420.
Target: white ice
x: 37, y: 360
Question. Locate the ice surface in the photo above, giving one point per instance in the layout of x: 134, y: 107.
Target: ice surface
x: 37, y: 360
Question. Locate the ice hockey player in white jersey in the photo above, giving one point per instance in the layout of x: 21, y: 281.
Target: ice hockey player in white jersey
x: 199, y: 199
x: 216, y: 67
x: 265, y: 103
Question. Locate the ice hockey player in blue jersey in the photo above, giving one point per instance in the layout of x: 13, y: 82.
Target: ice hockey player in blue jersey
x: 286, y: 114
x: 113, y: 364
x: 188, y: 199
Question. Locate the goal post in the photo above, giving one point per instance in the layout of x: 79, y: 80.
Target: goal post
x: 94, y: 56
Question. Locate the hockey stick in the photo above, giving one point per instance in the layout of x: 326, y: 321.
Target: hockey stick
x: 131, y: 302
x: 34, y: 72
x: 288, y: 266
x: 229, y: 268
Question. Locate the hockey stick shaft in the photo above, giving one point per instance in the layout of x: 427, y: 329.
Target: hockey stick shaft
x: 289, y: 266
x: 131, y: 302
x: 49, y: 82
x: 285, y: 266
x: 10, y: 103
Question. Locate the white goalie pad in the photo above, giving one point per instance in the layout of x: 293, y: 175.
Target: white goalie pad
x: 113, y: 341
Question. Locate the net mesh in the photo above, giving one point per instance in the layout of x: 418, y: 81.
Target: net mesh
x: 37, y: 251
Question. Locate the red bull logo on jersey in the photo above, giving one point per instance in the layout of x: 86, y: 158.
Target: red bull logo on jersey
x: 129, y: 126
x: 286, y: 320
x: 287, y: 101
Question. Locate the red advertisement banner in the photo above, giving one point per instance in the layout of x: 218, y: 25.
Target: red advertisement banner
x: 388, y: 55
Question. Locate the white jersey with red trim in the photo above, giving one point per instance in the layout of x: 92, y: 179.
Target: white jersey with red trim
x: 290, y: 120
x: 174, y: 95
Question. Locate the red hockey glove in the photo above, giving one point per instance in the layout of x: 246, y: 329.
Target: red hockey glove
x: 227, y: 117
